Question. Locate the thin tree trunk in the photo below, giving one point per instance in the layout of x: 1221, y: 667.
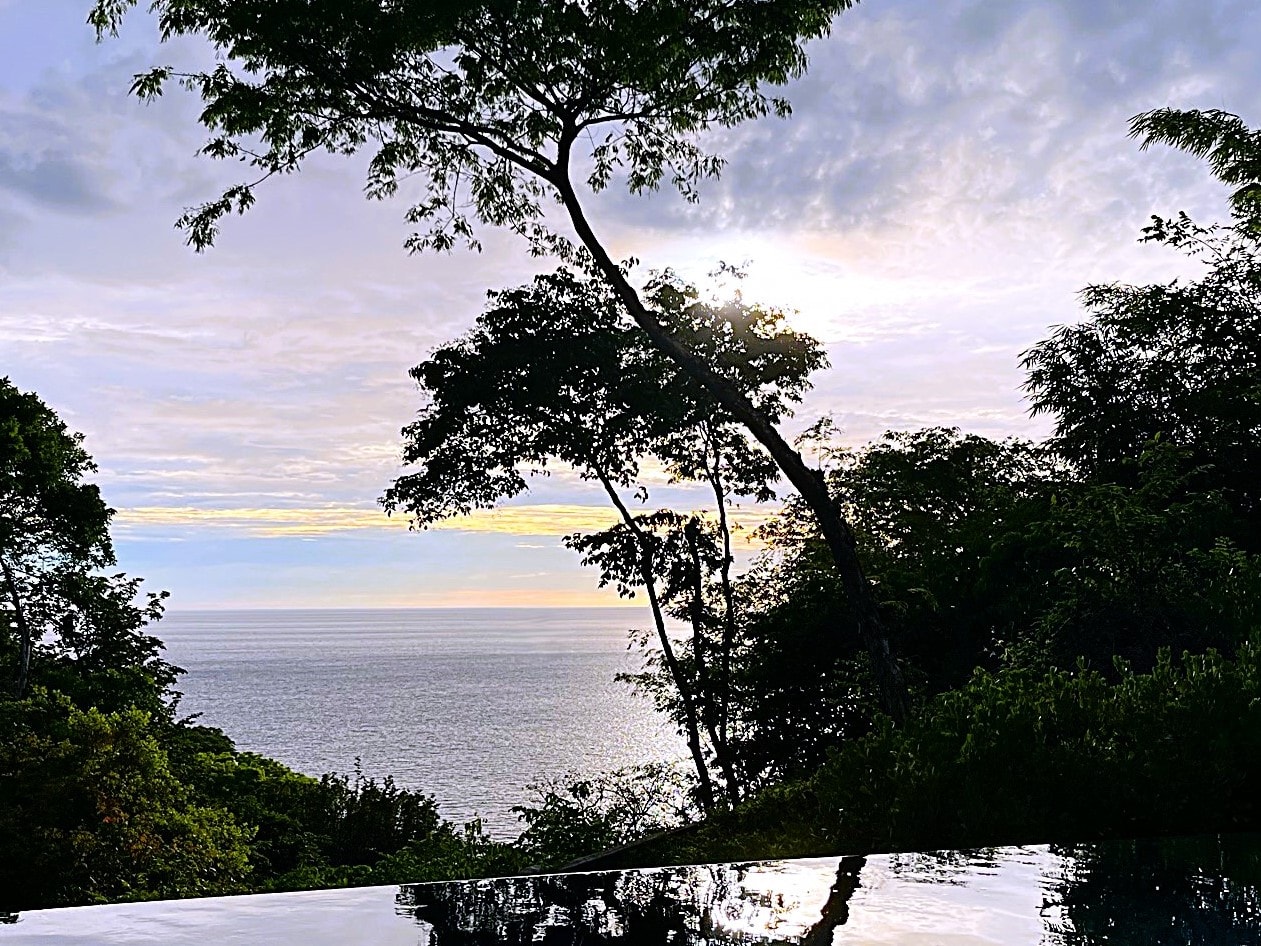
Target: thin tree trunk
x: 690, y: 720
x: 808, y: 482
x: 26, y: 638
x: 728, y: 595
x: 721, y: 751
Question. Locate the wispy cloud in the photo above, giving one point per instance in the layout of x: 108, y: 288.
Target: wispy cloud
x: 543, y: 519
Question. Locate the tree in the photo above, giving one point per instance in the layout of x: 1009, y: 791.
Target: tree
x: 554, y: 372
x: 1233, y: 150
x: 929, y: 507
x: 933, y: 508
x: 498, y: 109
x: 49, y: 518
x: 54, y: 542
x: 575, y: 816
x: 1179, y: 362
x: 90, y: 812
x: 1110, y: 570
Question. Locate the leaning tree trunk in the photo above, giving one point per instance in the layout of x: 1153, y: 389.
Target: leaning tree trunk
x: 808, y: 482
x: 714, y: 476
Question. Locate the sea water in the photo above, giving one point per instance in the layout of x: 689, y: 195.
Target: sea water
x: 466, y: 704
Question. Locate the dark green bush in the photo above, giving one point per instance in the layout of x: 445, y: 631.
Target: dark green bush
x: 1063, y: 754
x: 91, y: 812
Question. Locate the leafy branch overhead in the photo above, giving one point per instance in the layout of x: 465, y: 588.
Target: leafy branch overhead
x: 1232, y: 149
x: 487, y: 103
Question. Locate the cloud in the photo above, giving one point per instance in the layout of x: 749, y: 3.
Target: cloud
x: 542, y: 519
x: 954, y: 172
x: 261, y: 523
x: 953, y: 115
x: 55, y: 180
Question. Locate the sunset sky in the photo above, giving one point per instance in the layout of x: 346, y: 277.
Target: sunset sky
x: 953, y: 173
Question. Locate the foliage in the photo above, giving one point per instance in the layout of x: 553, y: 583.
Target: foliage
x: 44, y: 501
x: 931, y: 509
x: 983, y: 554
x: 1063, y: 754
x: 1019, y: 757
x: 538, y: 380
x: 98, y: 807
x: 1122, y: 571
x: 1179, y: 361
x: 450, y: 853
x: 556, y: 373
x: 485, y: 104
x: 65, y: 623
x: 985, y: 550
x: 581, y: 815
x: 90, y: 811
x: 1233, y: 150
x: 335, y: 830
x: 104, y: 793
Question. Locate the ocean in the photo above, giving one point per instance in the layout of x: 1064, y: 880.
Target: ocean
x: 468, y: 705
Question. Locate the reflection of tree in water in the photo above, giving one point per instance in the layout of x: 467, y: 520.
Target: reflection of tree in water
x: 684, y: 906
x: 1172, y: 892
x: 956, y: 868
x: 1159, y: 892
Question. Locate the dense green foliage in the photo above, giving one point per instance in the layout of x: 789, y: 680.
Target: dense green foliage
x: 92, y: 811
x: 1021, y: 756
x: 581, y: 815
x: 1066, y: 753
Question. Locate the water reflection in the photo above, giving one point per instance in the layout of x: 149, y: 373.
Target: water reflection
x: 1157, y: 892
x: 786, y: 902
x: 1187, y: 892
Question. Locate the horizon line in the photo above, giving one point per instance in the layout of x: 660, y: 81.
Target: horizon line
x: 417, y: 607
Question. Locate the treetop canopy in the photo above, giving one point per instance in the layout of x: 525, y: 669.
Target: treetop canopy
x: 485, y: 101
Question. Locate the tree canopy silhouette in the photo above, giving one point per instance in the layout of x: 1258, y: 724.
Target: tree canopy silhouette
x: 555, y: 372
x: 498, y: 109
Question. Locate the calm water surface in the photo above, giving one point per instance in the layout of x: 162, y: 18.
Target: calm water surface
x: 467, y: 705
x: 1180, y: 892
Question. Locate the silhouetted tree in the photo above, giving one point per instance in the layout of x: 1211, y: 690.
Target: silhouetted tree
x: 54, y: 543
x: 555, y: 372
x: 1178, y: 361
x: 498, y: 109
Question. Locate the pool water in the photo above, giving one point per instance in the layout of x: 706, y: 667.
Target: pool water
x: 1152, y: 892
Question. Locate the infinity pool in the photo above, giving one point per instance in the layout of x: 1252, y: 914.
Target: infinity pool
x: 1174, y: 891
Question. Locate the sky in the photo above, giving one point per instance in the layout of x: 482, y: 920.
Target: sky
x: 953, y: 173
